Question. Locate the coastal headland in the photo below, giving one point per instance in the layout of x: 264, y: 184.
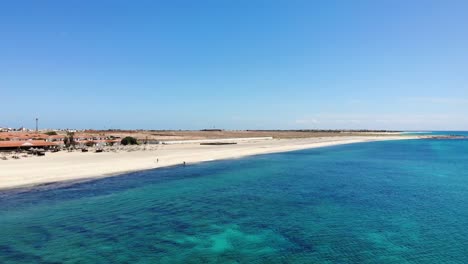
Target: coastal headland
x: 65, y: 166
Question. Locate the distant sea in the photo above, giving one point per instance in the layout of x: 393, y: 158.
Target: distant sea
x: 436, y: 133
x: 380, y: 202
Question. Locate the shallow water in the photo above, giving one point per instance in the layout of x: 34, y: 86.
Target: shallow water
x: 380, y: 202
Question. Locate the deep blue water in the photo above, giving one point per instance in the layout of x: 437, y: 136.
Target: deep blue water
x: 380, y: 202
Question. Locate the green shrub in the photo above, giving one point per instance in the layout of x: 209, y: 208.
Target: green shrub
x: 128, y: 141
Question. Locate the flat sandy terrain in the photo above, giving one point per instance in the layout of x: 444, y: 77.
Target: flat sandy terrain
x: 71, y: 166
x: 167, y: 135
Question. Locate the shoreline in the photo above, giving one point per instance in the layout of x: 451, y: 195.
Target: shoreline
x: 63, y: 168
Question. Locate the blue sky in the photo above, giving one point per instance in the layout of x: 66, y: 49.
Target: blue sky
x: 234, y: 64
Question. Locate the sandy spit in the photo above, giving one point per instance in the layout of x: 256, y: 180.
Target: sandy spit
x: 73, y: 166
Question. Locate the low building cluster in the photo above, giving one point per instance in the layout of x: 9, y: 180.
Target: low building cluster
x: 24, y: 140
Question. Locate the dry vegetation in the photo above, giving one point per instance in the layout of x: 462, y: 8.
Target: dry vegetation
x: 190, y: 135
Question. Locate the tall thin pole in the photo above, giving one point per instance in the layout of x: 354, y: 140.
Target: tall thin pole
x: 37, y: 124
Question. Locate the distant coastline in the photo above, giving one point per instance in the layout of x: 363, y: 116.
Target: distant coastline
x: 77, y: 166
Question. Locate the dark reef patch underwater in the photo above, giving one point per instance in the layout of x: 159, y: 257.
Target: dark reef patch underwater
x: 381, y: 202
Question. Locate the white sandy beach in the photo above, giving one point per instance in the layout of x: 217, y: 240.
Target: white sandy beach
x: 70, y: 166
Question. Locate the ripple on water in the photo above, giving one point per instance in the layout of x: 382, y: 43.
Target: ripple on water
x: 380, y: 202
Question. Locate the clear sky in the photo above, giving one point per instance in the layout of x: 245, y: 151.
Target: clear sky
x: 243, y: 64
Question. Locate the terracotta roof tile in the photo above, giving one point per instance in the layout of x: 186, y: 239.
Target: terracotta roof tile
x: 27, y: 143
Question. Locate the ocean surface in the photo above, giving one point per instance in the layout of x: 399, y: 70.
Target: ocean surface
x: 381, y: 202
x: 438, y: 133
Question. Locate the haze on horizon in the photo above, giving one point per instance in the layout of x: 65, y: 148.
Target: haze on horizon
x: 235, y: 64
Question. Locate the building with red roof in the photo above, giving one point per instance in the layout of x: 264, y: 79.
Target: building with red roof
x: 12, y: 145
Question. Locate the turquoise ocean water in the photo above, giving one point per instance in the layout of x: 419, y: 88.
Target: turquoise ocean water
x: 438, y: 133
x: 380, y: 202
